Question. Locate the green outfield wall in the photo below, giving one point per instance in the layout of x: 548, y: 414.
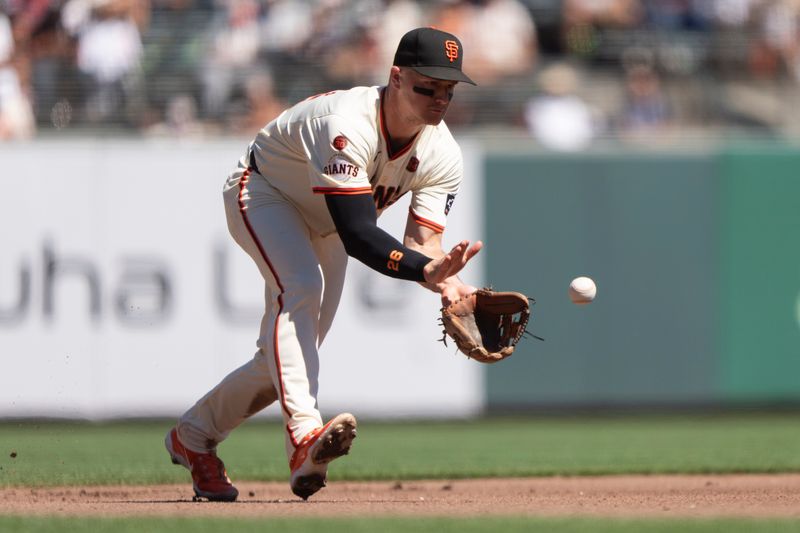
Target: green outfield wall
x: 759, y: 269
x: 697, y: 261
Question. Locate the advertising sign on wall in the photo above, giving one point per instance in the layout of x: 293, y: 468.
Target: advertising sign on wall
x: 121, y: 293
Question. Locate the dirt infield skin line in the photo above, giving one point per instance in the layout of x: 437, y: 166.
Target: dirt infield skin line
x: 753, y: 496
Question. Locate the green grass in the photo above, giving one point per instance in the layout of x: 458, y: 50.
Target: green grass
x: 389, y: 525
x: 49, y: 454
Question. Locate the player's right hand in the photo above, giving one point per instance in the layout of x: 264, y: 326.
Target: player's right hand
x: 451, y: 263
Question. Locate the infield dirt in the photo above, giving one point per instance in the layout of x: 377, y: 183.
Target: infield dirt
x: 613, y: 496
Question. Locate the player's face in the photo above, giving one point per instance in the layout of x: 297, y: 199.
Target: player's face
x: 428, y: 98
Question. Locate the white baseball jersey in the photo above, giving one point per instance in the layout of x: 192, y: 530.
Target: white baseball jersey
x: 337, y: 143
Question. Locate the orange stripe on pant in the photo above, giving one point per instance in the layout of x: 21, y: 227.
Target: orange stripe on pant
x: 243, y: 210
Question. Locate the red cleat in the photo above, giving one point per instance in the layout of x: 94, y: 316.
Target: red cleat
x: 209, y: 478
x: 310, y: 460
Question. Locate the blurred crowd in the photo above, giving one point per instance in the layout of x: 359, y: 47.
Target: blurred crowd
x: 565, y: 72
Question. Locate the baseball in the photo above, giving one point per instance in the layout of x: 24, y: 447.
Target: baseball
x: 582, y: 290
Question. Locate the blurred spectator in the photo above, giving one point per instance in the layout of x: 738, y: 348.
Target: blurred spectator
x: 678, y: 15
x: 43, y: 52
x: 557, y: 118
x: 234, y: 43
x: 500, y: 46
x: 194, y: 66
x: 645, y: 109
x: 26, y: 18
x: 16, y: 114
x: 333, y: 22
x: 399, y: 16
x: 173, y: 51
x: 6, y: 39
x: 109, y: 55
x: 454, y: 16
x: 582, y: 19
x: 603, y: 13
x: 342, y: 43
x: 257, y: 108
x: 180, y: 120
x: 501, y: 40
x: 776, y: 49
x: 356, y: 61
x: 286, y: 25
x: 727, y: 13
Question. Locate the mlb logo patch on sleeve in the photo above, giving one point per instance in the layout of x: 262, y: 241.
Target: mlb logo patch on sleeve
x: 449, y: 203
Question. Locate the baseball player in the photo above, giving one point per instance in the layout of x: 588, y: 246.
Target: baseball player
x: 303, y: 198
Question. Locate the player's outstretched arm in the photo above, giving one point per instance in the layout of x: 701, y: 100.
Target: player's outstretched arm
x: 355, y: 218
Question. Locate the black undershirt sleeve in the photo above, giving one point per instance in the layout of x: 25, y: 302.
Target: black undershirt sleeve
x: 356, y: 218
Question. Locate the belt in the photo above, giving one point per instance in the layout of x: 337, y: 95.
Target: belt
x: 253, y: 161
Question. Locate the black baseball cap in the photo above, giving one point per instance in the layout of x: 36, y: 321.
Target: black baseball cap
x: 433, y: 53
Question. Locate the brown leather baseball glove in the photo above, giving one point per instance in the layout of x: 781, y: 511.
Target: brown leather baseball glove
x: 487, y: 325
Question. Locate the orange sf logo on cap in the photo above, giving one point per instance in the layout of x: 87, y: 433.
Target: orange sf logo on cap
x: 451, y: 50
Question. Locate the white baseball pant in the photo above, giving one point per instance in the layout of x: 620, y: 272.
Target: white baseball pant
x: 303, y: 275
